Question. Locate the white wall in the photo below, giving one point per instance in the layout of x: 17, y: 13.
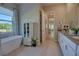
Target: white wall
x: 29, y: 13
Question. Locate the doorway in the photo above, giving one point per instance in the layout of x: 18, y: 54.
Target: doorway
x: 52, y: 28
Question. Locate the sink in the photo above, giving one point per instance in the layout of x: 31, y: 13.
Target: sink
x: 75, y: 37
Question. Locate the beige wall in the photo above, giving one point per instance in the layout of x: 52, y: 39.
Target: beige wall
x: 72, y: 14
x: 67, y: 14
x: 78, y: 13
x: 44, y: 25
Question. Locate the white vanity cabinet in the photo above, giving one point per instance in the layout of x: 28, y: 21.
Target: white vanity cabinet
x: 67, y: 46
x: 61, y: 42
x: 70, y: 51
x: 0, y: 47
x: 78, y: 51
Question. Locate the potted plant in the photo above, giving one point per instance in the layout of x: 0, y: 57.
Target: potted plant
x: 75, y: 30
x: 33, y: 42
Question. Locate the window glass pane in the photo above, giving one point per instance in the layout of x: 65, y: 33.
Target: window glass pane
x: 6, y: 11
x: 5, y: 26
x: 5, y: 23
x: 5, y: 17
x: 5, y: 20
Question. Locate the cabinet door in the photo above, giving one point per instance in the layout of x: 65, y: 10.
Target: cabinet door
x: 0, y: 47
x: 66, y: 46
x: 78, y: 51
x: 60, y: 39
x: 62, y: 43
x: 69, y: 51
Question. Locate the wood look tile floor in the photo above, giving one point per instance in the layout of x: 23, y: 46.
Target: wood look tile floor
x: 49, y: 48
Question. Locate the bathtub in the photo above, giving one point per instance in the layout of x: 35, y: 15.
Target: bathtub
x: 10, y: 43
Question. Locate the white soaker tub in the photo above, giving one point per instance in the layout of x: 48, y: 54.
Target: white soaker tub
x: 10, y: 43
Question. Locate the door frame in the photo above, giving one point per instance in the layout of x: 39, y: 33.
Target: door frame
x: 40, y: 26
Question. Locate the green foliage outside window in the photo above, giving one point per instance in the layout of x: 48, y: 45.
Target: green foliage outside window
x: 5, y: 28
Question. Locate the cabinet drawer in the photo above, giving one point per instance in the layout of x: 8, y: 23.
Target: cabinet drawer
x: 70, y: 43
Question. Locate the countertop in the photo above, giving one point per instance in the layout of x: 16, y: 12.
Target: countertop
x: 70, y: 36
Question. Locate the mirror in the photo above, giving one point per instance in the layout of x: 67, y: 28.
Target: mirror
x: 71, y: 16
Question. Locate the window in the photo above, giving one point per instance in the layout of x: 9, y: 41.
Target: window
x: 5, y: 22
x: 6, y: 16
x: 27, y: 29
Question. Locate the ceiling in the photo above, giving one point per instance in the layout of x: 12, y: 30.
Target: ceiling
x: 50, y: 5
